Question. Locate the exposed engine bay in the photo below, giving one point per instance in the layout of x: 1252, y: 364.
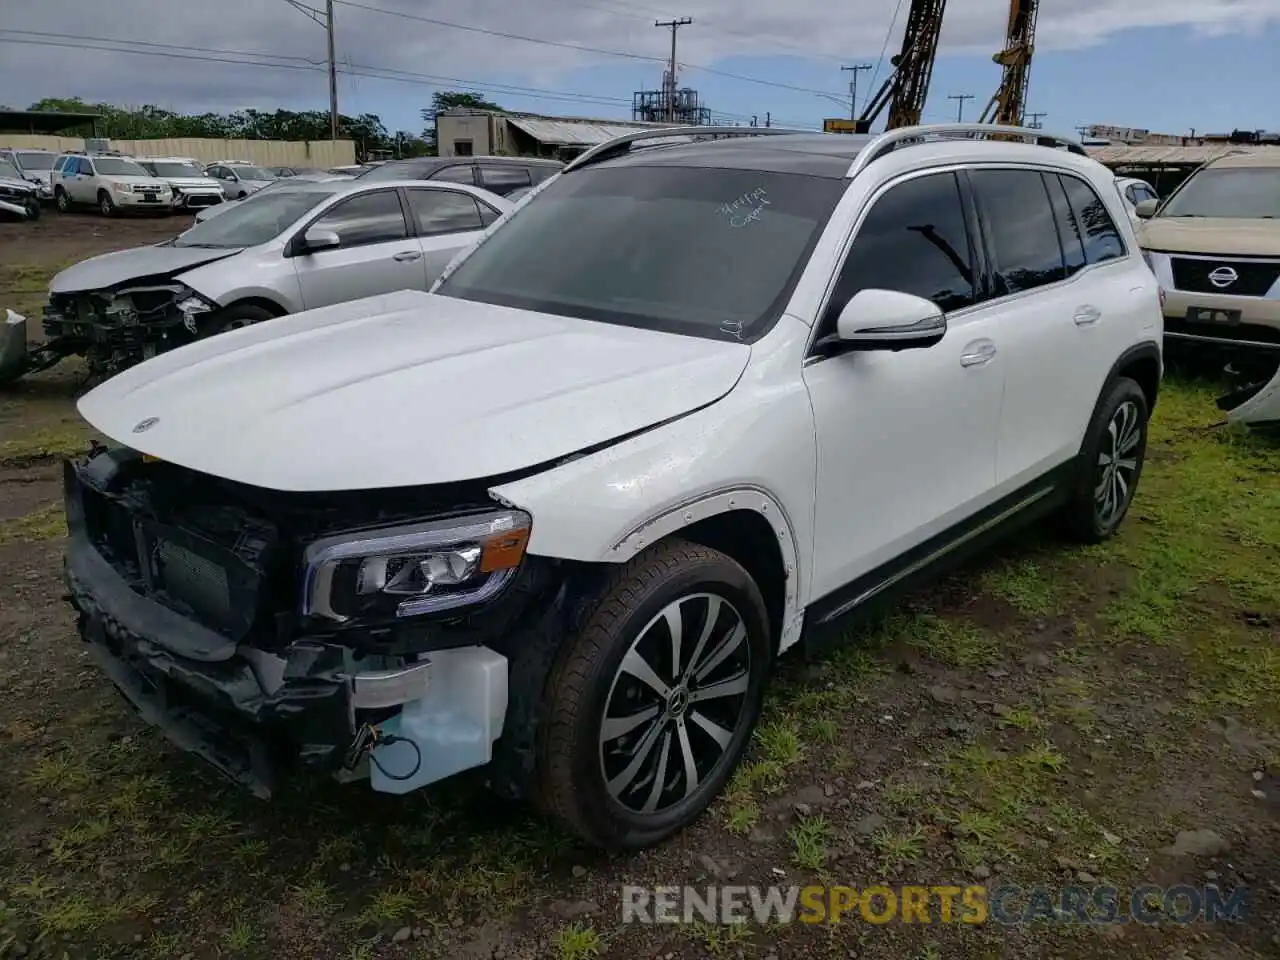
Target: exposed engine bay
x: 118, y: 327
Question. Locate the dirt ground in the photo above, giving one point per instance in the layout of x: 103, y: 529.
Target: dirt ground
x: 1049, y: 715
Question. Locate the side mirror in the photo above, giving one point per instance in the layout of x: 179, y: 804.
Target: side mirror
x: 318, y: 238
x: 1146, y: 209
x: 888, y: 320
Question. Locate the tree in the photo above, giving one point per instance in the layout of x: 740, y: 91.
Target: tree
x: 448, y: 100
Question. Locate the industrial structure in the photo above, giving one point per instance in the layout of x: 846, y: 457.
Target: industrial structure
x: 672, y: 104
x: 904, y: 91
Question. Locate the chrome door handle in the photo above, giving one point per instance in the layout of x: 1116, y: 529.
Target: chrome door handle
x: 1086, y: 315
x: 978, y: 353
x: 408, y: 256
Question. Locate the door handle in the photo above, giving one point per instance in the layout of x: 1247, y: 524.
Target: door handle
x: 407, y: 256
x: 1086, y: 315
x: 978, y: 353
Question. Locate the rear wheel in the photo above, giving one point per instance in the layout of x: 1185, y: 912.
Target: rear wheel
x: 1110, y: 463
x: 106, y: 204
x: 651, y: 705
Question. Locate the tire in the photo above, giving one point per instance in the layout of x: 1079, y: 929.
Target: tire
x: 33, y: 208
x: 63, y: 200
x: 601, y: 784
x: 1103, y: 491
x: 236, y: 316
x: 105, y: 204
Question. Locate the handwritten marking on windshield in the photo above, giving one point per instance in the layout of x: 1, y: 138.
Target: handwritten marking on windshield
x: 732, y: 327
x: 748, y: 208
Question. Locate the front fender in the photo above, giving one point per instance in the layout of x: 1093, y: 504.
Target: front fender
x: 752, y: 450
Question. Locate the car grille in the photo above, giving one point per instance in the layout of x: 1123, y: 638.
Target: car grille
x: 1253, y: 278
x: 207, y: 563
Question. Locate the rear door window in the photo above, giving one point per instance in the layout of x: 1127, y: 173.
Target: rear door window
x: 1101, y: 238
x: 1021, y: 229
x: 444, y: 211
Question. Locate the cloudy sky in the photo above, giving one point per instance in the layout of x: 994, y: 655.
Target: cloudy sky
x: 1166, y: 65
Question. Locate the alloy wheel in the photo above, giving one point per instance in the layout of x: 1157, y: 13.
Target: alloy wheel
x: 675, y: 703
x: 1117, y: 463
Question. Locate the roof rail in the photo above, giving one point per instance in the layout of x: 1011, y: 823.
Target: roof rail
x: 891, y: 140
x: 609, y: 147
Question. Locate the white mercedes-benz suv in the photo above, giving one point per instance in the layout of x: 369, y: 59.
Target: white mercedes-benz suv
x: 703, y: 395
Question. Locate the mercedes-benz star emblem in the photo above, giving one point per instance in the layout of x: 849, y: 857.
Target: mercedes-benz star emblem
x: 145, y: 425
x: 1223, y: 277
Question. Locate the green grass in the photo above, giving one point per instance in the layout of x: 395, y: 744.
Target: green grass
x: 578, y: 941
x: 65, y: 440
x: 46, y: 523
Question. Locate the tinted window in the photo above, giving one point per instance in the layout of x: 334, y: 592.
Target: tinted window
x: 85, y: 167
x: 369, y: 218
x: 403, y: 170
x: 503, y: 179
x: 36, y: 161
x: 1020, y: 229
x: 691, y: 250
x: 913, y: 240
x: 1101, y: 238
x: 1070, y: 234
x: 1144, y: 193
x: 443, y: 211
x: 487, y: 213
x: 542, y: 171
x: 457, y: 174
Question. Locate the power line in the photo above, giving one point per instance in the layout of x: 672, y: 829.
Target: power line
x: 670, y: 84
x: 175, y: 51
x: 853, y: 87
x: 960, y: 98
x: 884, y: 47
x: 583, y: 48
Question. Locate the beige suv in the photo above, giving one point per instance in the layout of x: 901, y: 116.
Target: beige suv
x: 1214, y: 245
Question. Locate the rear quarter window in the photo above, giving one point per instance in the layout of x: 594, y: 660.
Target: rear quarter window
x: 1102, y: 240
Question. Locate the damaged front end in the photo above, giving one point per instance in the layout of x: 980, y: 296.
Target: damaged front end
x: 1255, y: 401
x: 262, y: 632
x: 118, y: 327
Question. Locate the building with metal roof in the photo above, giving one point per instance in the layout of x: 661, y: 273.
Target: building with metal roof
x: 1114, y: 155
x: 466, y: 132
x: 47, y: 122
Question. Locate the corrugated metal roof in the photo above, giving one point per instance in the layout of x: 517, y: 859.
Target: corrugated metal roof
x: 1121, y: 154
x: 572, y: 133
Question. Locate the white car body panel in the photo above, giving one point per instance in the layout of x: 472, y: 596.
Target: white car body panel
x: 263, y: 405
x: 856, y: 459
x: 1261, y: 408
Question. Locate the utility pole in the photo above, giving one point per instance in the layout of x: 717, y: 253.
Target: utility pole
x: 960, y: 98
x: 671, y: 76
x: 768, y: 119
x: 1034, y: 122
x: 853, y: 87
x: 333, y: 72
x: 325, y: 19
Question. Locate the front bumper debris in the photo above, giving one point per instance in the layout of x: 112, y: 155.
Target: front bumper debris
x: 258, y: 696
x: 1256, y: 403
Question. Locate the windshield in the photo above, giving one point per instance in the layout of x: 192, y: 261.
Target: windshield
x: 706, y: 252
x: 175, y: 170
x: 246, y: 172
x: 118, y: 167
x: 36, y: 161
x: 7, y: 169
x: 1246, y: 193
x: 250, y: 222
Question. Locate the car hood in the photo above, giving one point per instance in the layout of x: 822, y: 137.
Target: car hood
x: 405, y: 389
x: 1226, y: 236
x: 25, y: 185
x: 112, y: 269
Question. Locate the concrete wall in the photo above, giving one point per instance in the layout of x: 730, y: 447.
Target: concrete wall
x: 475, y: 128
x: 280, y: 153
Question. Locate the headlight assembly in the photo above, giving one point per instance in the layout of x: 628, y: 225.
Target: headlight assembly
x: 410, y: 570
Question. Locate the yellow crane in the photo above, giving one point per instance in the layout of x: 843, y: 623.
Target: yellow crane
x: 1010, y: 99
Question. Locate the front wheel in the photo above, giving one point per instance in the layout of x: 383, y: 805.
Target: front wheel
x: 63, y: 200
x: 651, y: 705
x: 1111, y: 460
x: 234, y: 317
x: 33, y: 208
x: 106, y: 204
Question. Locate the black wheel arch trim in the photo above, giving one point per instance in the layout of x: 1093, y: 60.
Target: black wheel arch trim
x: 1146, y: 350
